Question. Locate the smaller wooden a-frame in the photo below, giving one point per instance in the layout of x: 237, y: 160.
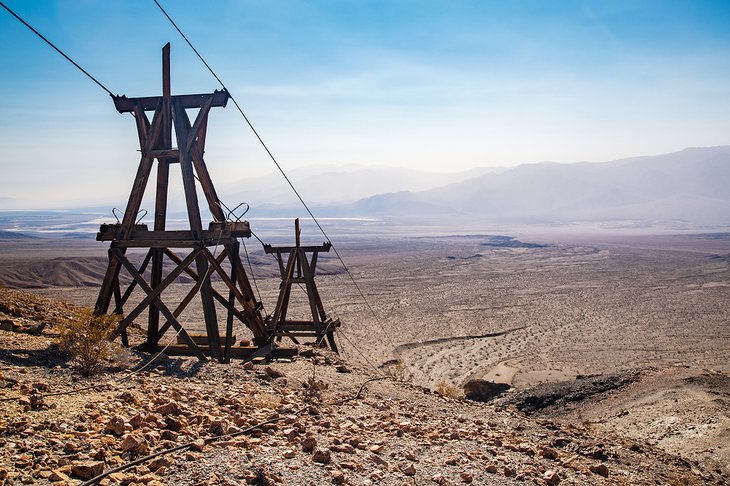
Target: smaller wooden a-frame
x: 297, y: 268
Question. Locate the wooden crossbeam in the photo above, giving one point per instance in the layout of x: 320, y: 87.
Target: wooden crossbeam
x: 149, y: 103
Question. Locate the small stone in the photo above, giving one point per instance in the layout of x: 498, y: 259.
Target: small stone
x: 158, y: 463
x: 378, y: 460
x: 58, y: 476
x: 338, y: 477
x: 198, y: 445
x: 600, y: 469
x: 134, y: 443
x: 409, y: 470
x: 290, y: 454
x: 169, y: 408
x: 115, y: 425
x: 551, y: 478
x: 322, y: 456
x: 219, y: 427
x: 273, y: 373
x: 466, y: 477
x: 549, y: 453
x: 87, y: 469
x: 309, y: 443
x: 128, y: 397
x: 491, y: 468
x: 452, y: 460
x: 175, y: 424
x: 136, y: 421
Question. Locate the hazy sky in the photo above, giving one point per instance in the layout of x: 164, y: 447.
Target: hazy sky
x: 441, y: 86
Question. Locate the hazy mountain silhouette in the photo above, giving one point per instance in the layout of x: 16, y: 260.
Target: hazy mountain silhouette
x: 692, y: 185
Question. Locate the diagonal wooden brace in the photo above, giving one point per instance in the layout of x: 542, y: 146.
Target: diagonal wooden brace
x: 153, y: 298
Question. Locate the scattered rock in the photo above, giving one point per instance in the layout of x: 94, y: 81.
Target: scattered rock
x: 273, y: 373
x: 198, y: 445
x: 309, y: 443
x: 338, y: 477
x: 87, y: 469
x: 322, y: 456
x: 115, y: 425
x: 466, y: 477
x: 551, y: 478
x: 600, y: 469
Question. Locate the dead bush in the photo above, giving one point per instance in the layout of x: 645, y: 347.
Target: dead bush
x: 448, y: 391
x: 396, y: 370
x: 85, y: 337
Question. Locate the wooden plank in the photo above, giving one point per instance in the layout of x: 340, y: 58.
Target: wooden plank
x: 200, y: 122
x: 238, y: 352
x: 168, y: 153
x: 143, y: 173
x: 317, y: 312
x: 308, y: 249
x: 180, y: 307
x: 148, y: 103
x: 283, y: 299
x: 111, y: 277
x: 202, y: 339
x: 231, y: 305
x: 251, y: 307
x: 182, y: 129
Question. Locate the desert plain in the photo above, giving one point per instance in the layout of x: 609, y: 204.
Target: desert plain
x: 623, y: 334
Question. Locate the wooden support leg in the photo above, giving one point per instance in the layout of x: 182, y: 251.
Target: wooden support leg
x: 229, y: 317
x: 206, y: 296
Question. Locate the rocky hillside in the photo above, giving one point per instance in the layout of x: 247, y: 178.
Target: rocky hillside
x: 317, y: 420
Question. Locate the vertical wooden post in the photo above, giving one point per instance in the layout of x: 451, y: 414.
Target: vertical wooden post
x: 163, y: 177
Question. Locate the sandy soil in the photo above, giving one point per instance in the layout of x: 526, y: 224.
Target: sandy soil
x: 451, y: 309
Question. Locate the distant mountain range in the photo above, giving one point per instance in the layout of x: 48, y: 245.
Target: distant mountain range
x: 689, y: 189
x: 692, y: 186
x: 339, y: 184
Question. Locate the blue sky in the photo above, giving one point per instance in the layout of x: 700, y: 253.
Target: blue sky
x: 439, y: 86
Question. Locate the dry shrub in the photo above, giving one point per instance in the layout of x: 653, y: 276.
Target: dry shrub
x: 85, y: 336
x: 260, y: 400
x: 448, y: 391
x: 396, y: 370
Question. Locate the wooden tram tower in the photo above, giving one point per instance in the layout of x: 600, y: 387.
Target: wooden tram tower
x: 197, y: 261
x: 298, y: 268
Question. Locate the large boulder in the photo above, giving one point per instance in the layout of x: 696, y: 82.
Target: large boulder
x: 483, y: 390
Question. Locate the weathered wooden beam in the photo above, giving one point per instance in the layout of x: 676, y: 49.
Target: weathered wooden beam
x: 309, y: 249
x: 149, y: 103
x: 283, y: 299
x: 231, y: 305
x: 168, y: 153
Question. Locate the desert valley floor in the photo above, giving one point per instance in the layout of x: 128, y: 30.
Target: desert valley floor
x: 539, y: 312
